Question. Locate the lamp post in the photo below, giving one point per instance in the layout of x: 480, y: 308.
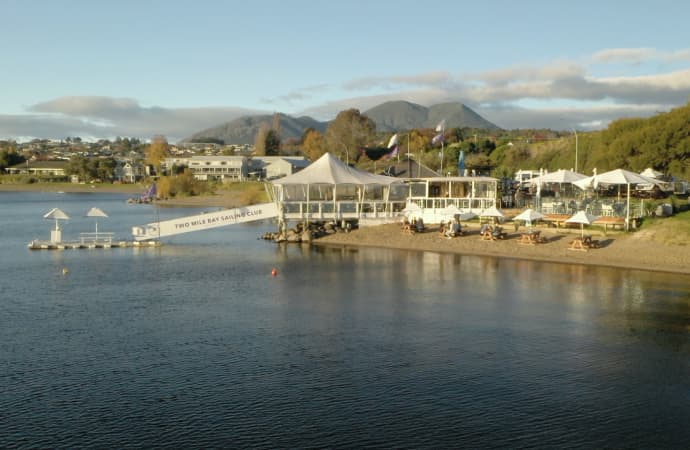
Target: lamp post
x: 575, y: 132
x: 347, y: 153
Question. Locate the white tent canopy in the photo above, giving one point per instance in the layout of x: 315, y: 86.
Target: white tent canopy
x: 616, y: 177
x: 330, y: 170
x: 559, y: 176
x: 651, y: 173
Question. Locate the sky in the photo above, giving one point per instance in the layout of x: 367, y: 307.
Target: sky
x: 101, y: 69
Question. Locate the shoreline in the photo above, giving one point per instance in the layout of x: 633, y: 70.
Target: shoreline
x: 634, y: 251
x: 616, y: 251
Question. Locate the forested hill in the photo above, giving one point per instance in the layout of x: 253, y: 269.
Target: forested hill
x: 401, y: 115
x: 244, y: 129
x: 389, y: 116
x: 661, y: 142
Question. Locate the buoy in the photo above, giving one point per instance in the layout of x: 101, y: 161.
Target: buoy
x: 65, y: 271
x: 274, y: 272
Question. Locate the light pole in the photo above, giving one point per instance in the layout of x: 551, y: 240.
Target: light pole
x: 575, y: 132
x: 347, y: 154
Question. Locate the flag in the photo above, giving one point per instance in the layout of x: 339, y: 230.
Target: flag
x: 394, y: 141
x: 461, y: 162
x: 392, y: 154
x: 441, y: 125
x: 437, y: 139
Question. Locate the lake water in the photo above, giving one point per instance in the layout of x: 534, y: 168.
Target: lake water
x: 195, y: 344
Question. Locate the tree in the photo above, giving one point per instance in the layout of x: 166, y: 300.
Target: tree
x: 9, y: 157
x: 314, y: 145
x: 156, y: 152
x: 260, y: 141
x: 348, y: 132
x: 272, y: 143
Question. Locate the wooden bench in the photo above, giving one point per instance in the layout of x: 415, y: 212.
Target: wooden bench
x: 612, y: 221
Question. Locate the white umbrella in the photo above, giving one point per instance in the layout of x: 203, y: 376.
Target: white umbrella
x: 96, y: 212
x: 583, y: 219
x: 529, y: 215
x: 57, y: 214
x: 450, y: 211
x: 492, y: 212
x: 412, y: 208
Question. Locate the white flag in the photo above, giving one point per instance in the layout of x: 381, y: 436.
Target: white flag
x: 393, y: 141
x: 441, y: 125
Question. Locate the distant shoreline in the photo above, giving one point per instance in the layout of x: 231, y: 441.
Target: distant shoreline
x: 71, y: 187
x: 221, y: 199
x: 636, y: 251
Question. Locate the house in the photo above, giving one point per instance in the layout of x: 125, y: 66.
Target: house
x: 129, y: 172
x: 272, y: 167
x: 45, y: 168
x: 204, y: 168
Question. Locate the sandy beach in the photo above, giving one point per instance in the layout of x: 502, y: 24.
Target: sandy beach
x: 623, y: 250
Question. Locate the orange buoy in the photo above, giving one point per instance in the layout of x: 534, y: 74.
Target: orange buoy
x: 274, y: 272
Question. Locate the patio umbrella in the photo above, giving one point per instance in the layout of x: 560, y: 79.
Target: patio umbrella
x: 57, y: 214
x: 529, y: 215
x: 492, y: 212
x: 412, y: 209
x: 583, y: 219
x: 96, y: 212
x: 450, y: 211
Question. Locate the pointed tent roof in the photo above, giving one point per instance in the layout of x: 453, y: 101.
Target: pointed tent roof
x: 330, y: 170
x: 651, y: 173
x: 529, y: 215
x: 96, y: 212
x: 56, y: 213
x: 559, y: 176
x: 617, y: 176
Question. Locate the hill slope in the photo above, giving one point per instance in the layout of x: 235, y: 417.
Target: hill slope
x: 389, y: 116
x: 401, y: 115
x: 244, y: 129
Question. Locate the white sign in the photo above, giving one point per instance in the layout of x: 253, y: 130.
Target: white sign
x: 205, y: 221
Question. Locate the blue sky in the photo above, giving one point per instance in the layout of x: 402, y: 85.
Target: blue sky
x: 140, y: 68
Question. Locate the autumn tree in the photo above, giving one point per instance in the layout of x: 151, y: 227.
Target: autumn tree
x: 260, y: 140
x: 348, y: 132
x: 156, y: 152
x: 314, y: 145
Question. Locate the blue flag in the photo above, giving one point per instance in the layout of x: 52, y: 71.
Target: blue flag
x: 461, y: 162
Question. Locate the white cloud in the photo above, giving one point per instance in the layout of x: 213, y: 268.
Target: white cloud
x: 110, y: 117
x: 500, y: 95
x: 639, y: 55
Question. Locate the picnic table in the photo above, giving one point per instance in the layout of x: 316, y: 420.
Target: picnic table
x: 531, y: 238
x: 583, y: 243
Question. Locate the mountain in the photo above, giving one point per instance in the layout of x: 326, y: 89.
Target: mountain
x: 244, y: 129
x: 401, y: 115
x: 389, y: 116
